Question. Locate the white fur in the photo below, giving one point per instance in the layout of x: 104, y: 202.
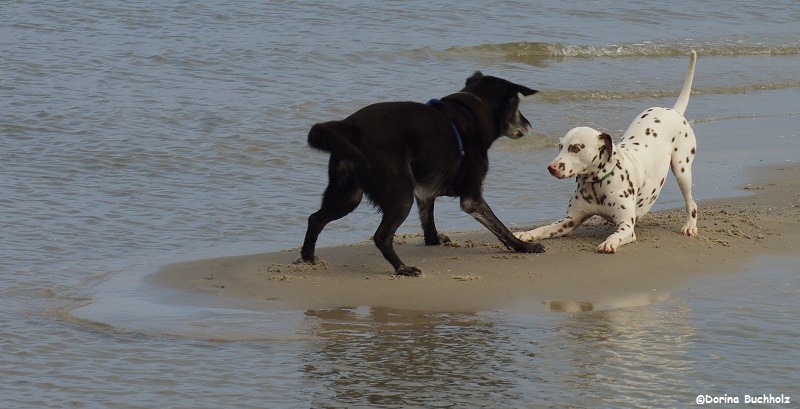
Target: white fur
x: 623, y: 185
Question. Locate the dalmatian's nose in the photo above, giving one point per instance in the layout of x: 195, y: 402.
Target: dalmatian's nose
x: 552, y: 169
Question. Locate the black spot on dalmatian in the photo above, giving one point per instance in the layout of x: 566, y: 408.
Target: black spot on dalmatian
x: 657, y: 121
x: 694, y: 214
x: 692, y: 151
x: 647, y: 131
x: 644, y: 115
x: 676, y: 149
x: 682, y: 170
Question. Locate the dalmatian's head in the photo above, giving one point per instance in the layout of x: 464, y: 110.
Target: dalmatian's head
x: 583, y: 152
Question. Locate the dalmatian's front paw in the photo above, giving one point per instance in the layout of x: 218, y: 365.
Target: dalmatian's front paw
x: 608, y: 246
x: 689, y: 229
x: 525, y: 236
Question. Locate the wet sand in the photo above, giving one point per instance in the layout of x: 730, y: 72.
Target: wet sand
x: 476, y: 273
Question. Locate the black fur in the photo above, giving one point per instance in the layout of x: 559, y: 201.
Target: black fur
x: 395, y: 152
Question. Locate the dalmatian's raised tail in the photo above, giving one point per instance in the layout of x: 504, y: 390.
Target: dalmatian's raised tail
x: 683, y: 98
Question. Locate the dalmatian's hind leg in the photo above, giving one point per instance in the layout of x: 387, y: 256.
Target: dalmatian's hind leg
x: 681, y: 165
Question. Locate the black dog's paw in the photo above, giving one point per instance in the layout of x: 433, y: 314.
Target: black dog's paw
x: 408, y: 271
x: 438, y: 240
x: 302, y: 260
x: 532, y: 248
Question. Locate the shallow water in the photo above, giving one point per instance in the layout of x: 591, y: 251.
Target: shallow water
x: 137, y: 134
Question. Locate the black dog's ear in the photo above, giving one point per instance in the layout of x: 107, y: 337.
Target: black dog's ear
x: 474, y: 77
x: 525, y: 91
x: 607, y: 144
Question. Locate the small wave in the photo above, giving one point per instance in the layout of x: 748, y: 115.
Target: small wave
x: 536, y: 53
x: 748, y: 116
x: 557, y: 96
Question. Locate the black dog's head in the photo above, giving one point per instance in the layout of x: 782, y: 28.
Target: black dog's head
x: 502, y: 99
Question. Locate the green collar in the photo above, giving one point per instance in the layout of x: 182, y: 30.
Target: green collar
x: 604, y: 177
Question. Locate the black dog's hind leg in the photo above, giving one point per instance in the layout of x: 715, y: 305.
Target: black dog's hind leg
x: 394, y: 199
x: 432, y: 236
x: 341, y: 197
x: 480, y: 210
x: 393, y: 217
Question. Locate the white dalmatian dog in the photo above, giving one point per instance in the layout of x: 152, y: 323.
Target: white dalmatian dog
x: 621, y: 183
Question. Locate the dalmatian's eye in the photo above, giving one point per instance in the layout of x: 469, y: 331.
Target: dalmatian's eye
x: 560, y: 146
x: 574, y: 148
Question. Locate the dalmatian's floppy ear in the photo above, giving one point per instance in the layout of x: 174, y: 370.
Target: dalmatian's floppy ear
x: 607, y: 145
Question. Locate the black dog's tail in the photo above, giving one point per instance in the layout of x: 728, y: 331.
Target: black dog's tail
x: 336, y: 137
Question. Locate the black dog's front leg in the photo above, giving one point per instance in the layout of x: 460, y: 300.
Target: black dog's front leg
x: 480, y: 210
x: 432, y: 236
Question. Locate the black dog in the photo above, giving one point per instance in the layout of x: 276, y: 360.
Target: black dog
x: 396, y: 151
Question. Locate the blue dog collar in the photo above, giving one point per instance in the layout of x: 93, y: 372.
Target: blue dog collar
x: 434, y: 102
